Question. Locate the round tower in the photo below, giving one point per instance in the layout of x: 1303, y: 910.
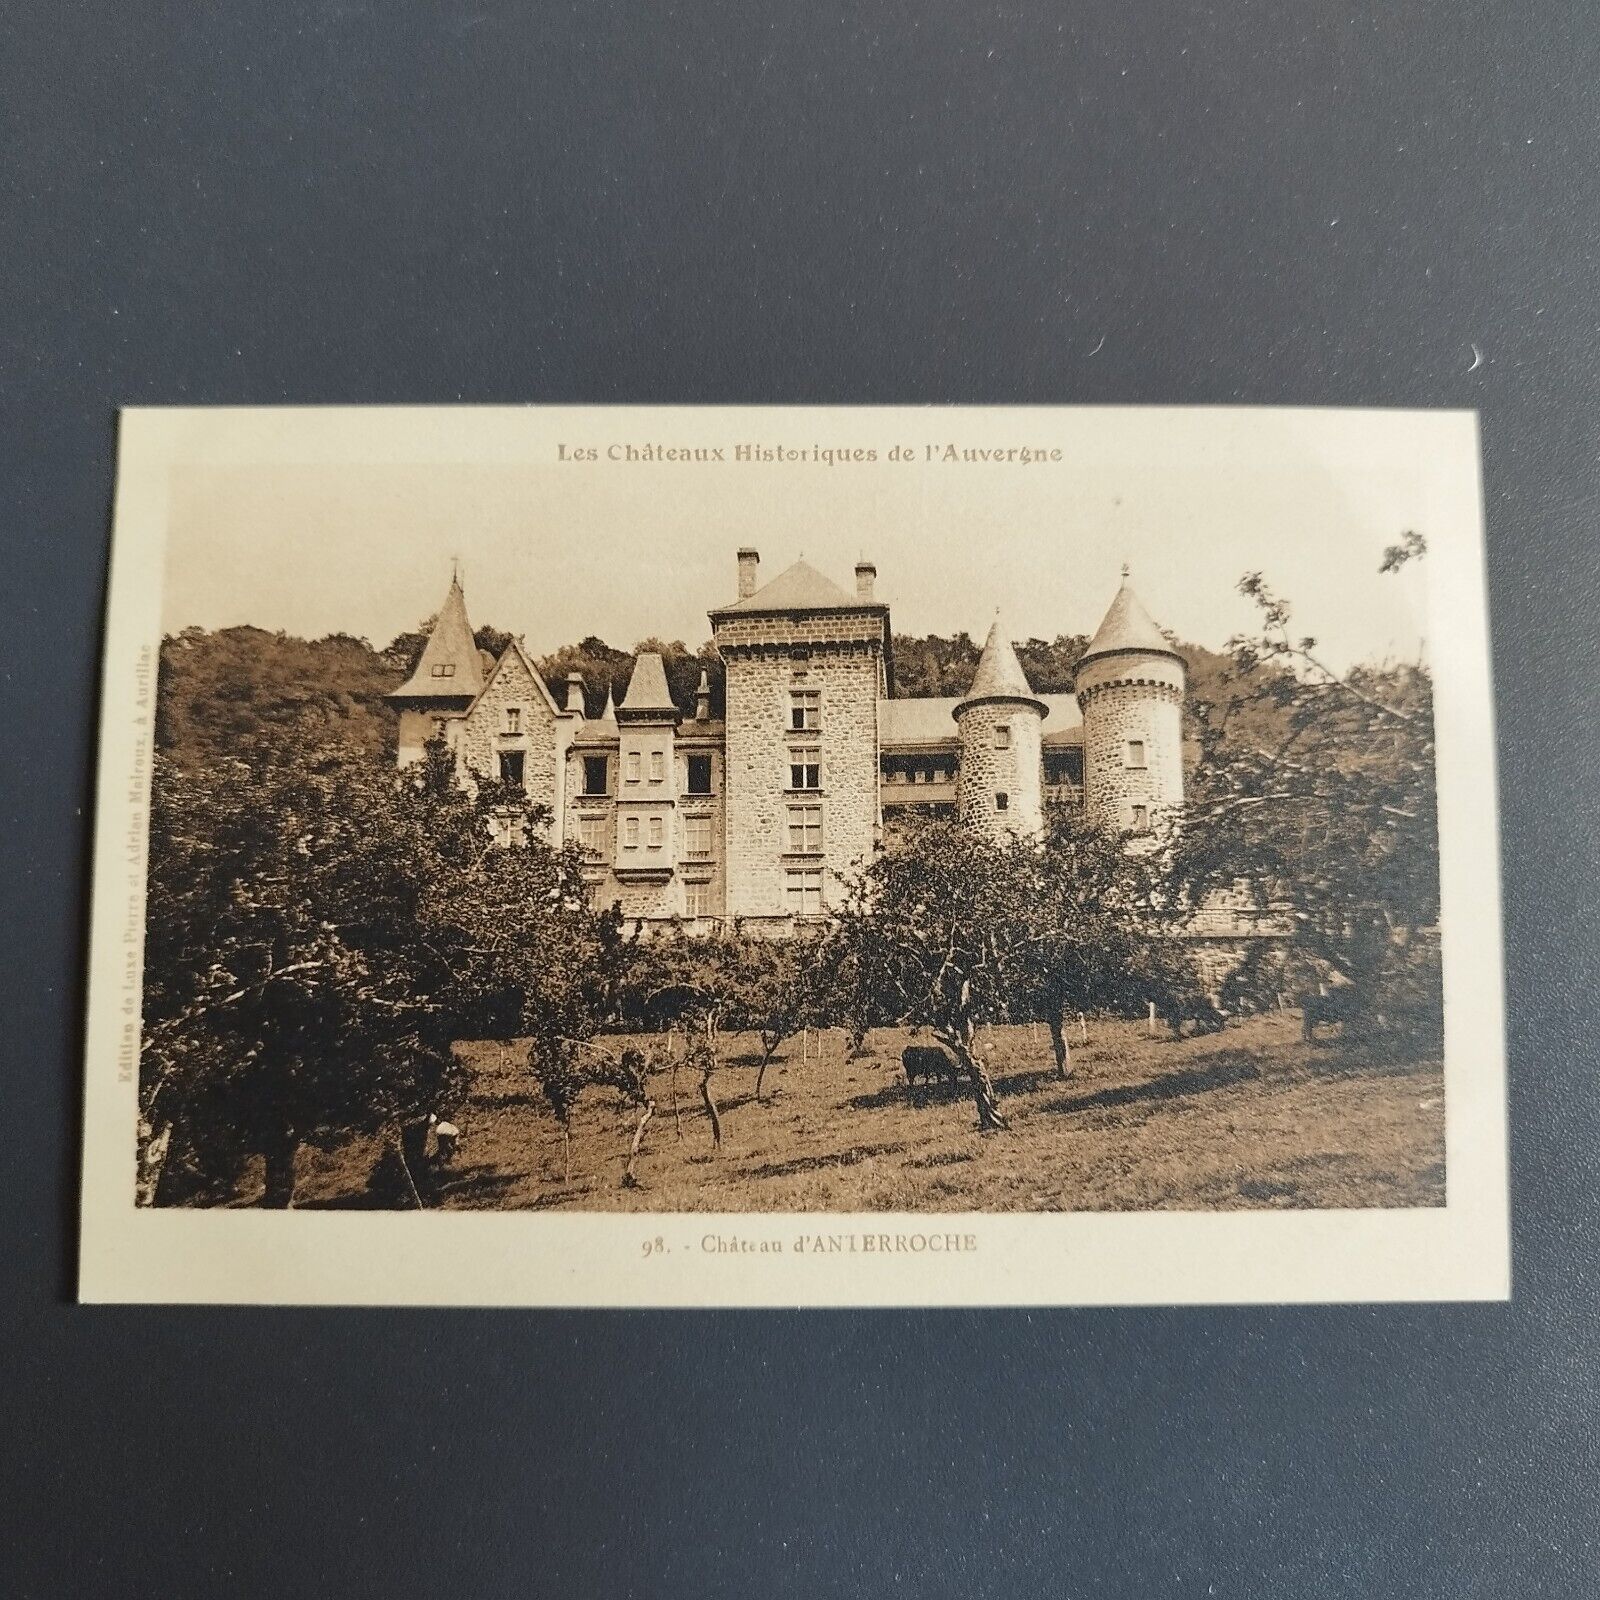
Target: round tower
x: 1130, y: 686
x: 1001, y: 787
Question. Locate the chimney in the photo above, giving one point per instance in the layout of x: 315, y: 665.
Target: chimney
x: 702, y: 698
x: 575, y: 692
x: 749, y: 560
x: 866, y: 576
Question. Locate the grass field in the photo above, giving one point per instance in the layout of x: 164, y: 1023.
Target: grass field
x: 1249, y: 1118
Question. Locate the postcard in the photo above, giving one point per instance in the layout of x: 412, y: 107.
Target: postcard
x: 786, y: 856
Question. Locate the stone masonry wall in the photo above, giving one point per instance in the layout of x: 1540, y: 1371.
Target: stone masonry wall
x: 1125, y: 698
x: 701, y: 869
x: 482, y: 736
x: 847, y: 672
x: 1017, y: 771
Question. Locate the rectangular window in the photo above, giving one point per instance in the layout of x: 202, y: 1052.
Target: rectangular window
x: 511, y: 766
x: 438, y: 728
x: 513, y: 719
x: 1002, y: 736
x: 805, y: 768
x: 630, y: 834
x: 696, y: 899
x: 1135, y: 753
x: 805, y: 710
x: 633, y: 766
x: 697, y: 836
x: 594, y: 775
x: 658, y: 766
x: 805, y: 830
x: 592, y: 835
x: 658, y: 832
x: 1141, y: 818
x: 699, y: 774
x: 1002, y: 802
x: 802, y: 889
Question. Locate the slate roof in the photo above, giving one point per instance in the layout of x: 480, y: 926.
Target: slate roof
x: 449, y: 645
x: 1128, y: 626
x: 601, y: 729
x: 647, y: 688
x: 931, y: 721
x: 999, y: 675
x: 799, y: 588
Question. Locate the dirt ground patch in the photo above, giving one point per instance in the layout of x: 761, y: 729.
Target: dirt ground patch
x: 1251, y: 1118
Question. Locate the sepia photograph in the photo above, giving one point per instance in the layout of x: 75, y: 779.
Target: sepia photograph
x: 823, y: 815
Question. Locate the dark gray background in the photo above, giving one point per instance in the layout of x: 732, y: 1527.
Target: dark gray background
x: 1294, y: 202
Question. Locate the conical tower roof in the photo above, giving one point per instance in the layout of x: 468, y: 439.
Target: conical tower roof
x: 647, y: 694
x: 999, y: 675
x: 1127, y: 626
x: 449, y: 667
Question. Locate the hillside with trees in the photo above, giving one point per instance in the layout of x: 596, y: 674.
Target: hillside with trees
x: 220, y: 687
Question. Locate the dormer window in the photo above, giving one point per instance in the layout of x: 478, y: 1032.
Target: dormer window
x: 443, y: 669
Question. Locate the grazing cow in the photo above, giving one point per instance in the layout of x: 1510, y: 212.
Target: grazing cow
x: 929, y: 1062
x: 1328, y: 1005
x: 1177, y: 1007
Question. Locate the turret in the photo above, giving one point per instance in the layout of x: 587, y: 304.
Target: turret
x: 445, y: 681
x: 1001, y: 722
x: 1130, y: 686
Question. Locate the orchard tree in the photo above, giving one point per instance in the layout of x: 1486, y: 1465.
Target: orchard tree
x: 1100, y: 910
x: 952, y: 930
x: 566, y: 1065
x: 771, y: 989
x: 1314, y: 798
x: 706, y: 987
x: 320, y: 929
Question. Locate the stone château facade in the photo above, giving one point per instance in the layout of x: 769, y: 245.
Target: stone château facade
x: 815, y: 763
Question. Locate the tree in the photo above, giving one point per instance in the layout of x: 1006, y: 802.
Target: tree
x: 220, y: 688
x: 772, y: 991
x: 1314, y: 800
x: 319, y: 930
x: 1101, y: 922
x: 566, y: 1066
x: 952, y: 930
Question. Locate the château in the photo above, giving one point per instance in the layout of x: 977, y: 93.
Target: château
x: 815, y: 763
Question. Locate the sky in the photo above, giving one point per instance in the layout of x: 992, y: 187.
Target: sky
x: 362, y: 541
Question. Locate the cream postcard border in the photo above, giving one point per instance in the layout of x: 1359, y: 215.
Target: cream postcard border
x: 1456, y: 1252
